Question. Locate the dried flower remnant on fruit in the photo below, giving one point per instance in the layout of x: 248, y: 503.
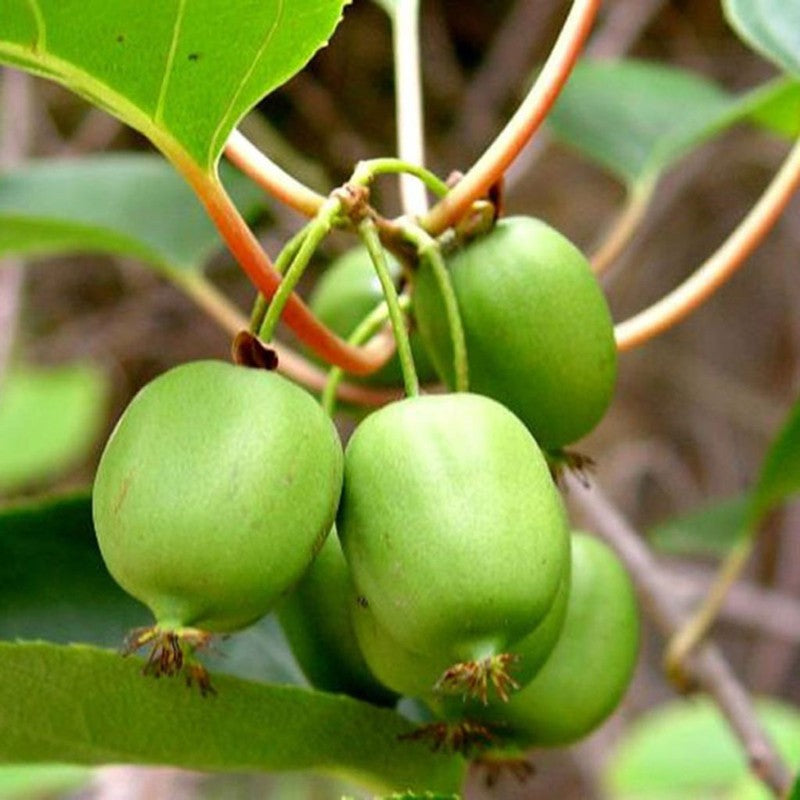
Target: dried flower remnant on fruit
x: 464, y: 737
x: 172, y: 653
x: 473, y: 678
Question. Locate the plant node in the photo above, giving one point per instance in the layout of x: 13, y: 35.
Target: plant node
x: 473, y: 678
x: 463, y: 737
x: 354, y: 200
x: 172, y: 653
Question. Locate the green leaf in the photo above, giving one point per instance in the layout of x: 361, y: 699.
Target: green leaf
x: 129, y: 203
x: 637, y: 118
x: 685, y: 751
x: 795, y: 793
x: 774, y: 106
x: 40, y: 780
x: 54, y: 585
x: 83, y: 705
x: 770, y: 27
x: 711, y: 530
x: 715, y: 528
x: 49, y: 419
x: 780, y: 472
x: 633, y: 117
x: 183, y: 73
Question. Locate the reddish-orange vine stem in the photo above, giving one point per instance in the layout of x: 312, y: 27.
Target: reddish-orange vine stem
x: 493, y: 163
x: 258, y: 267
x: 623, y: 228
x: 270, y: 177
x: 231, y: 320
x: 696, y: 289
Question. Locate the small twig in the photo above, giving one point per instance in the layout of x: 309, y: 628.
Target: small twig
x: 522, y: 125
x: 408, y: 101
x: 773, y: 658
x: 707, y: 667
x: 775, y: 614
x: 280, y: 184
x: 701, y: 285
x: 696, y: 627
x: 623, y: 228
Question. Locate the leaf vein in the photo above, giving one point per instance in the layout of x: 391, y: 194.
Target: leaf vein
x: 240, y: 88
x: 40, y: 45
x: 162, y: 92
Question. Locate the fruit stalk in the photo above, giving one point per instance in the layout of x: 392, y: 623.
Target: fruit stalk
x: 258, y: 267
x: 312, y: 236
x: 368, y: 232
x: 282, y: 263
x: 430, y: 253
x: 367, y: 328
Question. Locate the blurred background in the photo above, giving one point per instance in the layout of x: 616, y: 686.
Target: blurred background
x: 695, y: 409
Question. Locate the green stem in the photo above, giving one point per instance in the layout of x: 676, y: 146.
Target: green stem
x: 314, y: 233
x: 281, y: 264
x: 364, y: 331
x: 429, y: 250
x: 366, y: 171
x: 696, y: 627
x: 369, y: 235
x: 408, y: 101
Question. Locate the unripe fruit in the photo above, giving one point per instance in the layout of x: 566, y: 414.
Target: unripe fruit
x: 417, y: 675
x: 216, y: 488
x: 539, y: 334
x: 315, y: 617
x: 347, y: 291
x: 591, y: 665
x: 453, y: 530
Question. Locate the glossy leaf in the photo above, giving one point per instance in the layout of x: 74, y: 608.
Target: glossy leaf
x: 771, y: 27
x: 686, y: 751
x: 54, y: 586
x: 53, y: 583
x: 49, y: 420
x: 89, y: 706
x: 634, y: 117
x: 637, y: 118
x: 774, y: 106
x: 129, y: 203
x: 181, y: 73
x: 28, y: 781
x: 779, y: 478
x: 711, y: 530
